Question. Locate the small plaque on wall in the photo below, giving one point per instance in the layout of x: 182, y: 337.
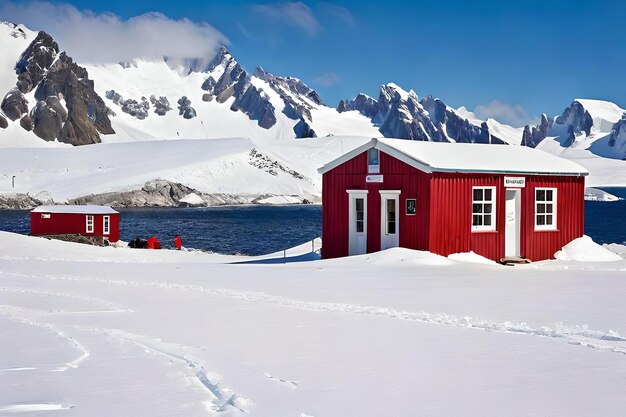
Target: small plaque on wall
x: 411, y: 206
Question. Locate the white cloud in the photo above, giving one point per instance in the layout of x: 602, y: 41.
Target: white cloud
x: 294, y: 14
x: 89, y: 37
x: 514, y: 115
x: 337, y: 11
x: 327, y: 80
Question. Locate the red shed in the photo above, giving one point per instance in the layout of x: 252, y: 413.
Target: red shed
x: 101, y: 221
x: 496, y: 200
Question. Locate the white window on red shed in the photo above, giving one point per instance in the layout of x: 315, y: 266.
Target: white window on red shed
x: 89, y: 224
x: 545, y: 208
x: 373, y: 161
x: 483, y: 209
x: 106, y: 225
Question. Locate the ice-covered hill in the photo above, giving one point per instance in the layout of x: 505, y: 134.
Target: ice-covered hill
x: 50, y: 101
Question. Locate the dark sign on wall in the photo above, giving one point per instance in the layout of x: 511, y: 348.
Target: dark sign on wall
x: 410, y: 206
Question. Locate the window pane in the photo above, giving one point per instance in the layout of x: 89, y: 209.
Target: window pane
x: 487, y: 220
x: 359, y: 216
x: 359, y: 204
x: 541, y: 208
x: 549, y: 220
x: 477, y: 208
x: 477, y: 220
x: 549, y: 208
x: 391, y: 228
x: 391, y: 208
x: 548, y: 195
x: 478, y: 194
x: 488, y: 194
x: 541, y: 195
x: 488, y: 208
x: 372, y: 157
x: 359, y: 226
x: 541, y: 220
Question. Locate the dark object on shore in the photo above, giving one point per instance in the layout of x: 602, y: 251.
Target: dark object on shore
x: 138, y: 243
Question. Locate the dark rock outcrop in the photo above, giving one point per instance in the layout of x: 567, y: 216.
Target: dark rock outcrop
x: 532, y: 136
x: 3, y: 122
x: 362, y: 103
x: 207, y: 97
x: 576, y: 120
x: 161, y: 105
x: 26, y: 122
x: 87, y: 115
x: 290, y: 84
x: 255, y: 103
x: 47, y: 121
x: 617, y: 139
x: 35, y: 61
x: 185, y: 109
x: 14, y: 104
x: 302, y: 129
x: 130, y: 106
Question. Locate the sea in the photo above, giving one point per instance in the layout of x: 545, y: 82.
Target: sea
x: 256, y: 230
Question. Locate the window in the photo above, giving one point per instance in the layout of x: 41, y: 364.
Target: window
x: 391, y: 216
x: 106, y: 225
x: 89, y: 224
x: 545, y: 208
x: 483, y: 208
x: 360, y: 214
x: 373, y: 161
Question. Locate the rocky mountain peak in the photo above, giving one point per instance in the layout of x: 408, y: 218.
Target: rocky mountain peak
x: 617, y: 138
x: 576, y: 120
x: 35, y: 61
x: 533, y: 135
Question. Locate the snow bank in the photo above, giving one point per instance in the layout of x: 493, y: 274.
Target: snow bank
x: 192, y: 199
x: 470, y: 257
x: 397, y: 256
x: 584, y: 249
x: 595, y: 194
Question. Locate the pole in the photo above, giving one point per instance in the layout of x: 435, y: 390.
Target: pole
x: 13, y: 181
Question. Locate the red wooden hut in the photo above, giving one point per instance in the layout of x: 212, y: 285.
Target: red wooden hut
x: 496, y: 200
x: 97, y: 221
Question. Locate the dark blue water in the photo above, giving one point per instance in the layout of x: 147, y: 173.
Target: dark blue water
x: 249, y: 230
x: 255, y: 230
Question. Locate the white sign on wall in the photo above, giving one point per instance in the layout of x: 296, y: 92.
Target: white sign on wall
x: 519, y: 182
x: 374, y: 178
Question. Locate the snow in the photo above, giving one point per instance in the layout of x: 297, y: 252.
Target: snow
x: 280, y: 199
x: 72, y: 209
x: 584, y: 249
x: 470, y: 257
x: 193, y: 199
x: 595, y: 194
x: 604, y: 113
x: 468, y: 157
x: 105, y: 331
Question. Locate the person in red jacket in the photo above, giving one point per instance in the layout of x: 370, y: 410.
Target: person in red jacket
x: 153, y: 243
x: 178, y: 242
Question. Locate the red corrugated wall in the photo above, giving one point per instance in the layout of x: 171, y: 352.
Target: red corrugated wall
x: 451, y: 205
x: 538, y: 245
x: 68, y: 223
x: 351, y: 175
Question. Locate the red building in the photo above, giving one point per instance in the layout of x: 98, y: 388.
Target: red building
x: 100, y: 221
x: 496, y: 200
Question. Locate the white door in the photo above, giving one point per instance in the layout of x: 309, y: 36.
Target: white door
x: 357, y: 239
x: 389, y: 219
x: 512, y: 223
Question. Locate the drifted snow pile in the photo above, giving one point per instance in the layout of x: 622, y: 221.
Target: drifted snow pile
x: 584, y: 249
x: 470, y: 257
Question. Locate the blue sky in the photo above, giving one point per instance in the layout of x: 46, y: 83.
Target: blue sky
x: 508, y: 59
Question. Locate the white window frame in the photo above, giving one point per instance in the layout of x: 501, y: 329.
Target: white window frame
x: 553, y: 202
x: 492, y: 226
x: 106, y: 225
x: 373, y: 169
x: 89, y: 223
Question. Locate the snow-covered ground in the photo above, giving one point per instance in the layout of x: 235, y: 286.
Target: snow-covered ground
x: 92, y: 331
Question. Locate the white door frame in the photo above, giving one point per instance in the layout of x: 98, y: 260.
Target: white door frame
x: 512, y: 226
x: 357, y: 241
x: 388, y: 240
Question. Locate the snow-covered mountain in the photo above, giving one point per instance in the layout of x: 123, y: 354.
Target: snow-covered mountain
x: 401, y: 114
x: 48, y: 100
x: 595, y: 125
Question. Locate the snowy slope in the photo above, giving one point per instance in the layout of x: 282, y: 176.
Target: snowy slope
x: 103, y: 331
